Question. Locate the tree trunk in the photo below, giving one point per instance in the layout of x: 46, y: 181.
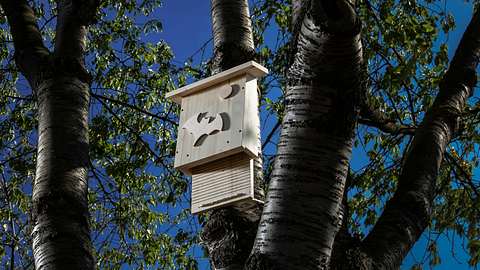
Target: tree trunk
x: 228, y: 235
x: 61, y: 238
x: 303, y: 211
x: 60, y: 83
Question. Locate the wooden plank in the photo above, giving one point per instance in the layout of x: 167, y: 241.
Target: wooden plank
x: 252, y: 68
x: 251, y: 118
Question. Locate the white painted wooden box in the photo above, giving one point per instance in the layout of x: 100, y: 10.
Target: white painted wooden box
x: 218, y: 136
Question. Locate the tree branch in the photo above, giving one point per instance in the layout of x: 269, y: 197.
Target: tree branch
x: 375, y: 118
x: 466, y: 177
x: 73, y: 17
x: 408, y: 213
x: 272, y: 132
x: 31, y: 55
x: 136, y: 108
x: 298, y: 9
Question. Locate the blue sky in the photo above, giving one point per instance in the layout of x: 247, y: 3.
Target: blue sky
x: 187, y: 28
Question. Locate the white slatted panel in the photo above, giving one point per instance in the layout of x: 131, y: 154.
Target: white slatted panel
x: 222, y: 182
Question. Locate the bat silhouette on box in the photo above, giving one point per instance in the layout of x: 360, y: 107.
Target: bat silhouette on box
x: 201, y: 125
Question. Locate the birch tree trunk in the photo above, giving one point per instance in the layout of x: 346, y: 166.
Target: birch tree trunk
x: 60, y: 211
x: 60, y: 83
x: 303, y: 210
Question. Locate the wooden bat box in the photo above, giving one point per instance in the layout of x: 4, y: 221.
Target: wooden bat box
x: 219, y: 136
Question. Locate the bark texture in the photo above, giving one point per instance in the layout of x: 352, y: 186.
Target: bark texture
x: 303, y: 210
x: 232, y: 34
x: 228, y: 235
x: 60, y: 83
x: 61, y: 238
x: 408, y: 213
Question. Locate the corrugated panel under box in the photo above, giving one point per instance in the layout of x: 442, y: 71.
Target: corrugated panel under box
x: 228, y: 181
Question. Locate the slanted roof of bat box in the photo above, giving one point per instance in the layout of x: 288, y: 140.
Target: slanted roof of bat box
x: 253, y: 68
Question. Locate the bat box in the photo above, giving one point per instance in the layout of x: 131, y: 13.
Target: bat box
x: 219, y: 137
